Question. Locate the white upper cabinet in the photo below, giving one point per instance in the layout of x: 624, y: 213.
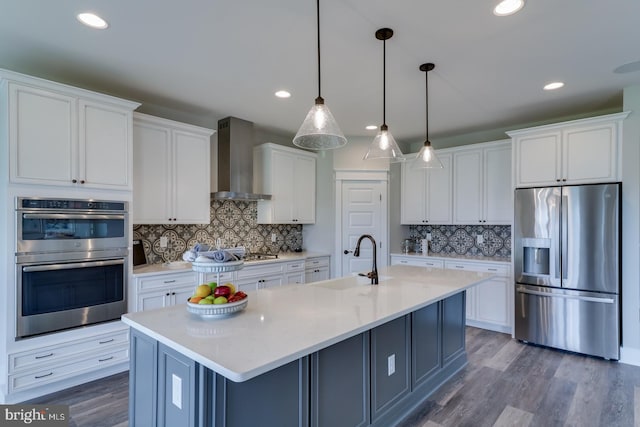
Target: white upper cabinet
x: 482, y: 184
x: 426, y: 193
x: 289, y: 176
x: 63, y: 136
x: 575, y: 152
x: 171, y: 172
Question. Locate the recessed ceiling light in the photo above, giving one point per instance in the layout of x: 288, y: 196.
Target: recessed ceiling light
x: 371, y: 127
x: 553, y: 86
x: 92, y: 20
x: 283, y: 94
x: 508, y: 7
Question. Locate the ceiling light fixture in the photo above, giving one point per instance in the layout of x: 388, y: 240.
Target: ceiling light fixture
x: 371, y: 127
x: 319, y: 130
x: 508, y: 7
x: 92, y: 20
x: 426, y: 157
x: 553, y: 86
x: 283, y: 94
x: 384, y: 146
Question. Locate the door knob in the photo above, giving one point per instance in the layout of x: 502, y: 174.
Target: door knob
x: 347, y: 252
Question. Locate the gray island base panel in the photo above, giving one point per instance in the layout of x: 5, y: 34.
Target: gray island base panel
x: 370, y: 367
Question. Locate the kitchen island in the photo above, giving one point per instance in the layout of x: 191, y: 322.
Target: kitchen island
x: 336, y: 352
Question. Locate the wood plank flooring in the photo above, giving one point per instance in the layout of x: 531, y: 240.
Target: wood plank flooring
x: 506, y: 383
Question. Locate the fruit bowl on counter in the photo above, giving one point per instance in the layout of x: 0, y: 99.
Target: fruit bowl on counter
x: 211, y: 300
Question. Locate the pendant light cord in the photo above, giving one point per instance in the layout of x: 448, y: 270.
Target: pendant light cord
x: 318, y: 26
x: 384, y: 82
x: 426, y: 92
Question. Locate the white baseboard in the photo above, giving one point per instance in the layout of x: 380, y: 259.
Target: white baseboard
x: 630, y: 356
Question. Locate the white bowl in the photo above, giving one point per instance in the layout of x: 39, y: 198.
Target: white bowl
x: 217, y: 310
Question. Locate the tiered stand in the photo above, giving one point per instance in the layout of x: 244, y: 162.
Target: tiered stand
x: 214, y: 310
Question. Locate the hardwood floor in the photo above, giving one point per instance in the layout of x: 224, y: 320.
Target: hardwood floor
x: 506, y: 383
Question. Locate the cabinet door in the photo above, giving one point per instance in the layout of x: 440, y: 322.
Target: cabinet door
x: 467, y: 187
x: 425, y: 339
x: 492, y: 304
x: 153, y: 300
x: 453, y: 327
x: 538, y: 159
x: 498, y: 205
x: 304, y: 190
x: 413, y: 195
x: 191, y: 190
x: 151, y: 174
x: 177, y: 383
x: 439, y: 190
x: 590, y: 153
x: 297, y: 277
x: 143, y: 380
x: 44, y: 139
x: 181, y: 295
x: 104, y: 146
x: 282, y: 197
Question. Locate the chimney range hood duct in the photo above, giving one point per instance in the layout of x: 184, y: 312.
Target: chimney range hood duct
x: 235, y: 161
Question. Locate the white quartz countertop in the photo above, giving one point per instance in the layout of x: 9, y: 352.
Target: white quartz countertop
x: 284, y: 323
x: 454, y: 257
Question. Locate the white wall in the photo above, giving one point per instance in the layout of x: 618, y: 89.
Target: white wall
x: 630, y: 352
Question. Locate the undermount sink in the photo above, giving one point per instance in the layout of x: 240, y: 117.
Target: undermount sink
x: 350, y: 282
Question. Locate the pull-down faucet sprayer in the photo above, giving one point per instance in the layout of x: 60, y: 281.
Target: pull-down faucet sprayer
x: 373, y: 275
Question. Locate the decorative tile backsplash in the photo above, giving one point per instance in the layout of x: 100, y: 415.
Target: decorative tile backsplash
x: 234, y: 222
x: 462, y: 239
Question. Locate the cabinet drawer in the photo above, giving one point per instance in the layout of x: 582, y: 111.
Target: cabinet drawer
x: 312, y: 263
x: 296, y: 266
x: 33, y: 359
x: 213, y: 277
x: 500, y: 270
x: 420, y: 262
x: 170, y: 280
x: 261, y: 270
x: 68, y: 368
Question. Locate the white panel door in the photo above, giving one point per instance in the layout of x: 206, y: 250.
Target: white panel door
x: 362, y: 213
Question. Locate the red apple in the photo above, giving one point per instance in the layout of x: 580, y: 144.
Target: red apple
x: 222, y: 291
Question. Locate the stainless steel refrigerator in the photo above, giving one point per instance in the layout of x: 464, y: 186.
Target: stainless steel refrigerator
x: 567, y: 267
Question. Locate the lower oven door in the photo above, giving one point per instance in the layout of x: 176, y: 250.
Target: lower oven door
x: 63, y: 295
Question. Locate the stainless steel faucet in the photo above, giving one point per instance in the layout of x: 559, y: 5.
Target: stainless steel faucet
x: 373, y: 275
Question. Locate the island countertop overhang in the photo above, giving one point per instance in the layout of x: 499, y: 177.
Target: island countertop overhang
x: 286, y: 323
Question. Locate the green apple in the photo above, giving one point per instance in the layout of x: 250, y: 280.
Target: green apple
x: 213, y: 286
x: 205, y: 301
x: 220, y: 300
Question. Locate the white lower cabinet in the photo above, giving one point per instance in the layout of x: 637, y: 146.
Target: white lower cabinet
x: 260, y: 276
x: 317, y: 269
x: 489, y: 304
x: 45, y: 365
x: 164, y: 289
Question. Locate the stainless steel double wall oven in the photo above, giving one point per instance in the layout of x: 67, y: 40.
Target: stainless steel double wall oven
x: 71, y: 263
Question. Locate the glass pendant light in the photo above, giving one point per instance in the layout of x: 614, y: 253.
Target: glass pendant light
x: 427, y: 158
x: 384, y: 146
x: 319, y: 130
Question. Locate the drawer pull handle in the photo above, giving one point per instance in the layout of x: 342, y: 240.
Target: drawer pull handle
x: 44, y: 356
x: 492, y: 269
x: 104, y: 360
x: 37, y: 377
x: 106, y: 341
x: 459, y: 266
x: 170, y: 281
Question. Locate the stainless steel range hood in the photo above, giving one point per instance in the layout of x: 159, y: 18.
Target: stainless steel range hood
x: 235, y: 161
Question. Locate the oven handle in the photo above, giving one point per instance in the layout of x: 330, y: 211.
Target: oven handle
x: 48, y: 267
x: 71, y: 216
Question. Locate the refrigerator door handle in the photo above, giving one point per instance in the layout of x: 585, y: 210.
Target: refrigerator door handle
x: 564, y: 233
x: 576, y: 297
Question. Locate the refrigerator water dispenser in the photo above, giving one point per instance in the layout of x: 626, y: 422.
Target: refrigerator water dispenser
x: 535, y: 258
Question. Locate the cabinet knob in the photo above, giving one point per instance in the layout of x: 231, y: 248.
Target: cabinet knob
x: 558, y: 180
x: 564, y: 179
x: 82, y: 181
x: 74, y: 180
x: 346, y: 252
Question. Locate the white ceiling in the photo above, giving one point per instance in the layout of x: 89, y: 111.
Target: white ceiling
x: 215, y: 58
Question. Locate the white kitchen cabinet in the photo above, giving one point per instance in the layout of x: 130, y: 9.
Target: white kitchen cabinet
x: 289, y: 175
x: 489, y: 304
x: 576, y: 152
x: 417, y: 260
x: 259, y: 276
x: 164, y: 290
x: 64, y: 136
x: 295, y: 272
x: 426, y: 193
x: 317, y: 269
x: 171, y: 172
x: 482, y: 184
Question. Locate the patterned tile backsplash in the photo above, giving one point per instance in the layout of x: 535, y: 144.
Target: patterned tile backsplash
x: 462, y: 239
x: 234, y: 222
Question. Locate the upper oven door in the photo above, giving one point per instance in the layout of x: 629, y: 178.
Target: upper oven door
x: 39, y: 231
